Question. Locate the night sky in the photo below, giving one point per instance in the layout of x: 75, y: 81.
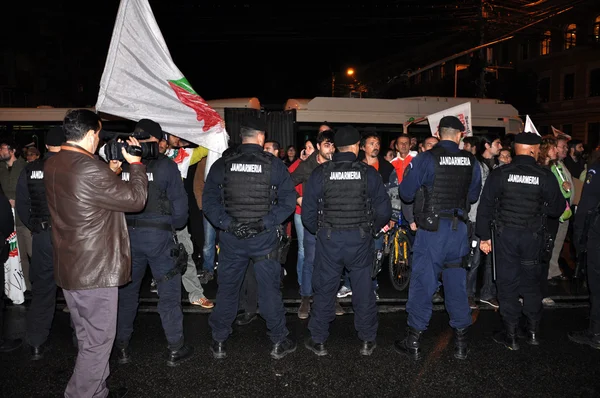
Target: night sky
x: 226, y: 49
x: 232, y: 49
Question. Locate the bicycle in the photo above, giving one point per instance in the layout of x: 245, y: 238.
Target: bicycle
x: 397, y: 246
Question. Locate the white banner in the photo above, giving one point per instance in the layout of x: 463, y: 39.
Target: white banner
x: 529, y: 126
x: 140, y: 80
x: 462, y: 112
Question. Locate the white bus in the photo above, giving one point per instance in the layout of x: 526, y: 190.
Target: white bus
x: 391, y: 117
x: 27, y: 125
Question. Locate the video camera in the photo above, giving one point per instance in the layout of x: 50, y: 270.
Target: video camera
x: 112, y: 150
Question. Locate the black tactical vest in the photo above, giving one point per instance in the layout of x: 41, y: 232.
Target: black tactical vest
x: 521, y: 203
x: 158, y: 202
x: 345, y: 203
x: 247, y: 188
x: 450, y: 190
x: 37, y: 192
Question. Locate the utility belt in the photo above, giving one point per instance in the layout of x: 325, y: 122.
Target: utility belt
x: 40, y: 226
x: 281, y: 250
x: 431, y: 221
x: 142, y: 223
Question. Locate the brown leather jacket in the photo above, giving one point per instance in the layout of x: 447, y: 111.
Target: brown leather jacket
x: 87, y: 202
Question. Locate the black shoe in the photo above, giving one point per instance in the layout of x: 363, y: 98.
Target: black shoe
x: 318, y: 348
x: 283, y: 348
x: 508, y: 337
x: 244, y: 319
x: 532, y: 334
x: 589, y: 336
x: 218, y: 349
x: 10, y: 345
x: 176, y: 357
x: 410, y: 345
x: 367, y: 347
x: 37, y: 353
x: 123, y: 355
x: 117, y: 393
x: 461, y: 343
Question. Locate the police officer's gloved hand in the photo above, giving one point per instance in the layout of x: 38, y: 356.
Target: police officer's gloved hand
x: 236, y: 228
x: 255, y: 228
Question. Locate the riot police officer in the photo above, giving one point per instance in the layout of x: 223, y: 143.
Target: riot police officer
x: 442, y: 182
x: 32, y: 207
x: 247, y: 194
x: 344, y: 203
x: 515, y: 202
x: 587, y: 239
x: 151, y: 233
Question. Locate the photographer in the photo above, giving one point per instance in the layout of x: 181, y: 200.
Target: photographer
x: 91, y: 246
x: 151, y: 235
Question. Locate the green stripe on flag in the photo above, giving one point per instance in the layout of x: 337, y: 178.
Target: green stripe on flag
x: 184, y: 84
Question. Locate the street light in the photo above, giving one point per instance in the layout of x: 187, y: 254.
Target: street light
x: 349, y: 72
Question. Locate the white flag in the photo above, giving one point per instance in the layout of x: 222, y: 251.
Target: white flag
x: 529, y: 127
x: 462, y: 112
x: 140, y: 80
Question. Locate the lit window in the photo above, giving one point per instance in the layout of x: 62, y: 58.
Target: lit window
x: 545, y: 43
x: 597, y: 29
x: 570, y: 36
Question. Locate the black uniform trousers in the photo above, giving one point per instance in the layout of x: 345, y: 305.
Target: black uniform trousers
x: 593, y: 269
x: 518, y: 273
x: 249, y: 292
x: 43, y: 289
x: 336, y: 250
x: 234, y: 257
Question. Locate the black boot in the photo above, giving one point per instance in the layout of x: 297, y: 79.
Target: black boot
x: 9, y: 345
x: 589, y: 336
x: 244, y: 319
x: 283, y: 348
x: 410, y: 345
x: 176, y: 357
x: 507, y: 337
x: 461, y: 343
x: 123, y: 354
x: 218, y: 349
x: 37, y: 352
x: 318, y: 348
x: 533, y: 332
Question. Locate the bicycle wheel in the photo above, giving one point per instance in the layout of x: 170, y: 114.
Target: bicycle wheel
x: 400, y: 261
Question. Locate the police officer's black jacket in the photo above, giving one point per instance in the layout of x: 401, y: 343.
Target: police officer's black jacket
x: 167, y: 199
x: 451, y: 178
x: 241, y: 194
x: 344, y: 201
x: 588, y: 205
x: 515, y: 195
x: 31, y: 204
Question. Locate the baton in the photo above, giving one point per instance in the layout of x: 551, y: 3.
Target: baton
x: 493, y: 234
